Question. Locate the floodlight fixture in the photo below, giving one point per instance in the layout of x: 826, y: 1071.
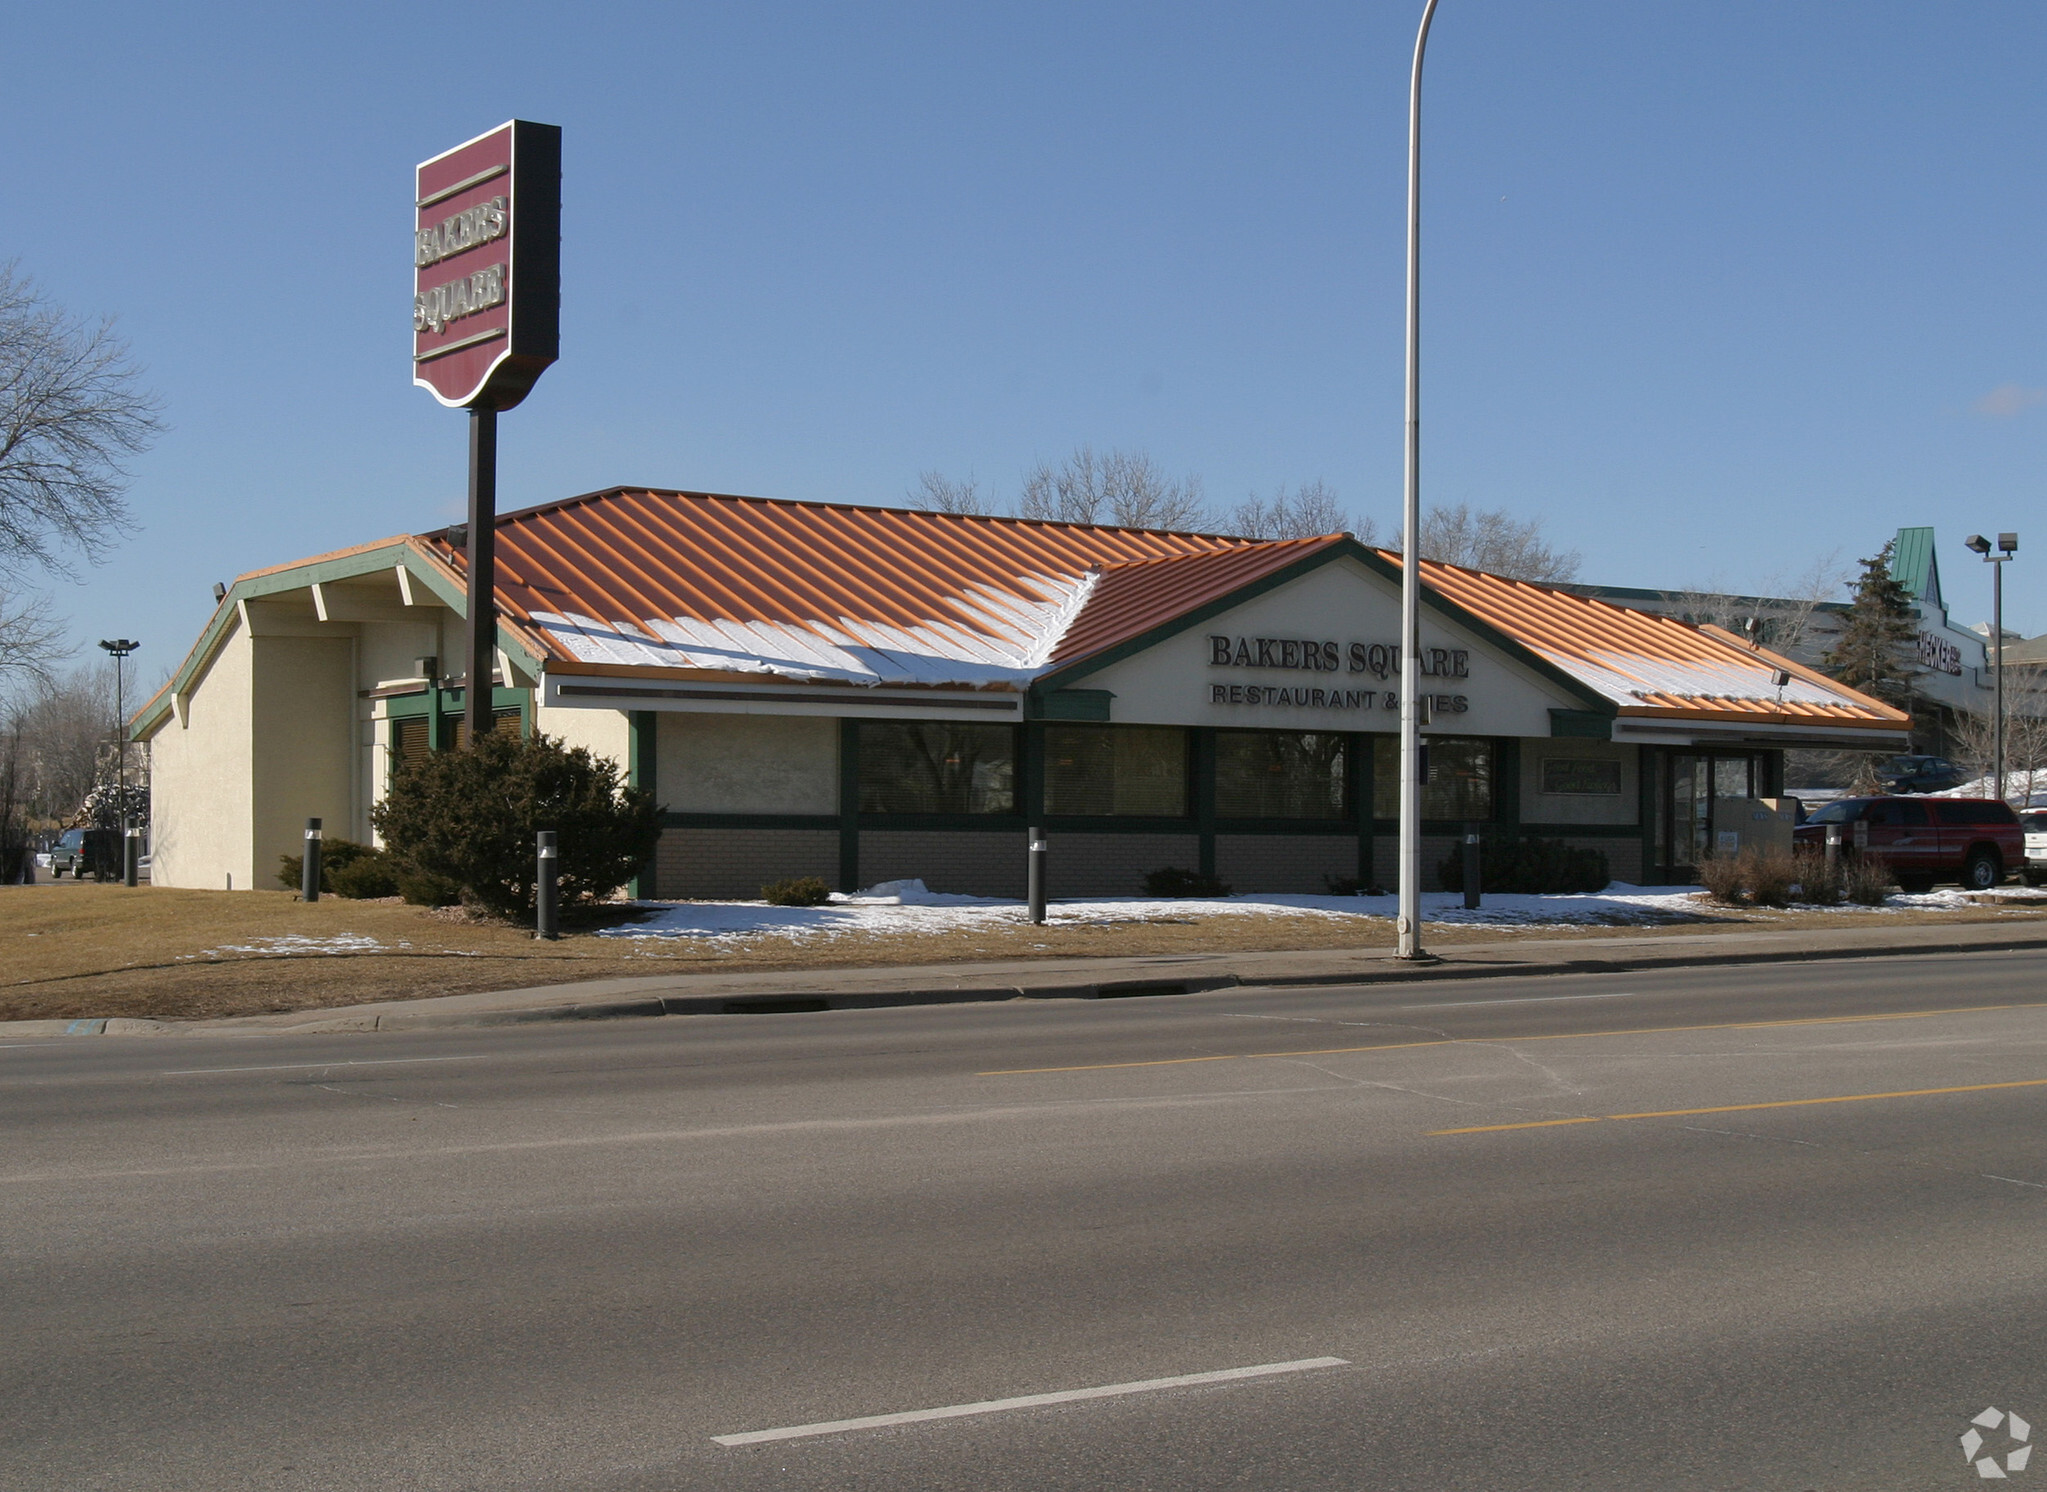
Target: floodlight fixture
x: 2007, y: 546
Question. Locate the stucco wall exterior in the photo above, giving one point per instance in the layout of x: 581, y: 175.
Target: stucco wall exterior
x: 201, y: 826
x: 302, y: 745
x: 1175, y: 682
x: 745, y: 763
x: 605, y: 733
x: 1539, y: 807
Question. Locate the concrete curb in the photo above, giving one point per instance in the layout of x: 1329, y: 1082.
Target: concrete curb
x: 801, y: 994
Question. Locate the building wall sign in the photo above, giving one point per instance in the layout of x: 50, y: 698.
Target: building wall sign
x: 486, y: 264
x: 1381, y: 659
x: 1322, y: 655
x: 1318, y: 653
x: 1937, y: 653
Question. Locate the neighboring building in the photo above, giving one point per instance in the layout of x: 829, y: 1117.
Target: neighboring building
x: 1955, y: 674
x: 867, y: 694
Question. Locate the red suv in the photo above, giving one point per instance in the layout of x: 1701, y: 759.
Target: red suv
x: 1975, y: 841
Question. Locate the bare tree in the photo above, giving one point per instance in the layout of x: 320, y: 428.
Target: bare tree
x: 936, y: 492
x: 72, y: 411
x: 1788, y: 622
x: 1307, y: 512
x: 2025, y: 734
x: 1123, y: 487
x: 1497, y: 542
x: 28, y: 642
x: 63, y: 730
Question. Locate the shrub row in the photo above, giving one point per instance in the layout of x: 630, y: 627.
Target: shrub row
x: 1533, y: 866
x: 1759, y: 878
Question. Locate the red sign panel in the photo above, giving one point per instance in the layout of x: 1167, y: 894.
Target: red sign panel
x: 486, y: 254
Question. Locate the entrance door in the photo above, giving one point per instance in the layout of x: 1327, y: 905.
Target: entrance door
x: 1705, y: 801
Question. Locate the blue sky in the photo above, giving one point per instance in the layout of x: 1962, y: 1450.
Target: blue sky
x: 1713, y: 288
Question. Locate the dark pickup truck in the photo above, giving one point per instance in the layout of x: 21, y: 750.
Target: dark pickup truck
x: 1976, y: 842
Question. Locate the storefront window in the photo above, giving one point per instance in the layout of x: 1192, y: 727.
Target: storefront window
x: 1276, y: 774
x: 1460, y: 784
x: 1120, y: 769
x: 937, y: 767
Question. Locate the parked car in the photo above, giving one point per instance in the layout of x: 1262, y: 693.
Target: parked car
x: 1975, y: 842
x: 1921, y: 774
x: 2035, y: 825
x: 83, y: 852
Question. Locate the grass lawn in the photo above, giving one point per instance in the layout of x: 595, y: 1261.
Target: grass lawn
x: 76, y: 950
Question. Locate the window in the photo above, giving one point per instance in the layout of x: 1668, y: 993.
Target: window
x: 1274, y: 774
x: 1962, y: 811
x: 936, y: 767
x: 408, y: 740
x: 1122, y: 769
x: 1460, y: 783
x: 502, y: 723
x: 1581, y: 776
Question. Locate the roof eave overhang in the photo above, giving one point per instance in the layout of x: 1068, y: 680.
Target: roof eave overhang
x: 1676, y: 730
x: 611, y: 687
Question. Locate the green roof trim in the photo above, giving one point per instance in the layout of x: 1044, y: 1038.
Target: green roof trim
x: 424, y: 572
x: 1068, y: 704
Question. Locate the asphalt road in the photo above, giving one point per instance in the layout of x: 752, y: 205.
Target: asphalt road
x: 568, y: 1257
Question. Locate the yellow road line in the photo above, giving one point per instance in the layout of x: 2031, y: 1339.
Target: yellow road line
x: 1738, y: 1108
x: 1399, y: 1046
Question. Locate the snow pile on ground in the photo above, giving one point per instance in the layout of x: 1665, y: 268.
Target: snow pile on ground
x: 910, y: 907
x: 2021, y: 789
x: 291, y: 943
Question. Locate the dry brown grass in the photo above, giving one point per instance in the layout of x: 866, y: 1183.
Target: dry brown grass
x: 71, y: 951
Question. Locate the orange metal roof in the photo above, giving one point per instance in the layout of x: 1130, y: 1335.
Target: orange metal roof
x: 1650, y: 664
x: 817, y: 590
x: 1130, y: 599
x: 661, y: 583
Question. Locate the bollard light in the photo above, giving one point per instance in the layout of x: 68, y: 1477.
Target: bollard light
x: 1472, y: 868
x: 309, y: 869
x: 546, y: 887
x: 1035, y: 875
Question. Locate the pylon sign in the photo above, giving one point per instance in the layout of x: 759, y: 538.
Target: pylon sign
x: 486, y: 256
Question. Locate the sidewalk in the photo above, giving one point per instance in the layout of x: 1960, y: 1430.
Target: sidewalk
x: 788, y: 991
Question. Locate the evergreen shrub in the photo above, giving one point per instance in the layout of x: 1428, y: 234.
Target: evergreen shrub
x: 1173, y: 882
x: 798, y: 891
x: 336, y: 855
x: 467, y: 819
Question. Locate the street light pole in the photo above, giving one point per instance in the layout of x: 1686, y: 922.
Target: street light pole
x: 119, y: 648
x: 1410, y: 925
x: 2008, y: 545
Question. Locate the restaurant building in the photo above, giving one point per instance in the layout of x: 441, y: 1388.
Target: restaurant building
x: 866, y: 694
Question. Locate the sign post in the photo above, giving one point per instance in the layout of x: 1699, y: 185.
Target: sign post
x: 486, y: 323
